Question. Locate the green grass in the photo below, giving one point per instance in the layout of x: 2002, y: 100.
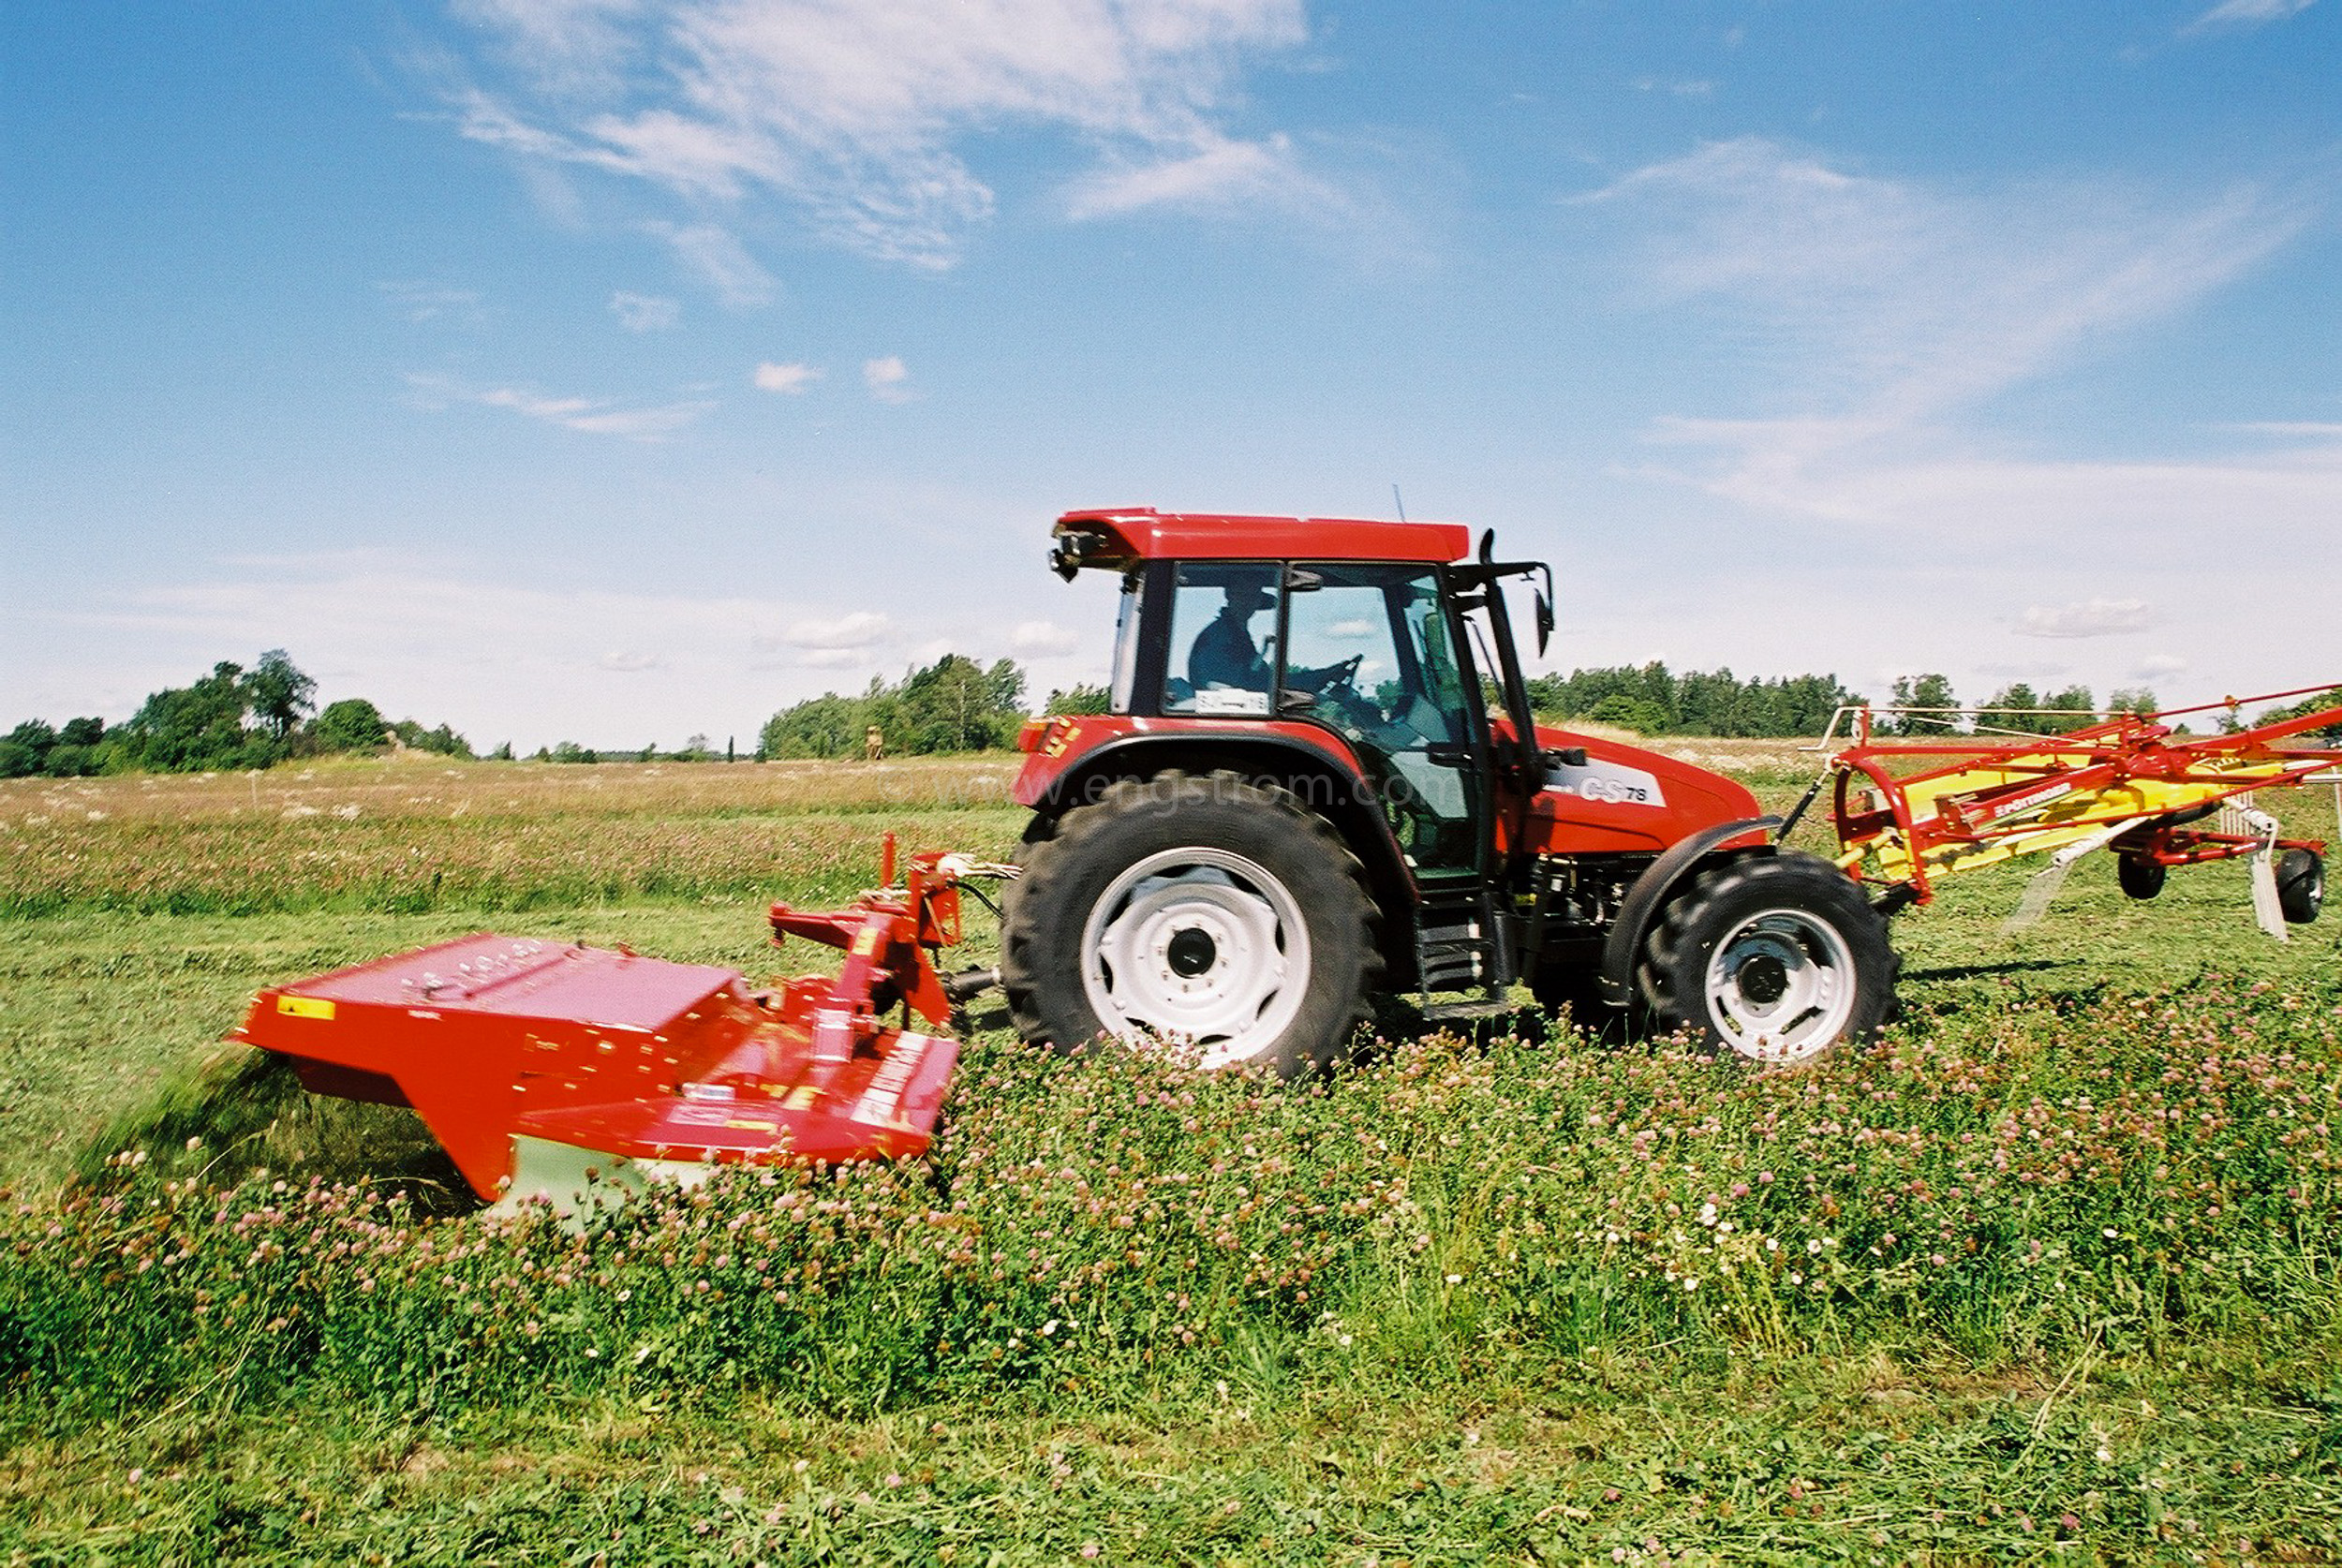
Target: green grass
x: 2050, y: 1274
x: 1867, y: 1458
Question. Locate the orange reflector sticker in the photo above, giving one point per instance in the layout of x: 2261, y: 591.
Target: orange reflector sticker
x: 305, y: 1007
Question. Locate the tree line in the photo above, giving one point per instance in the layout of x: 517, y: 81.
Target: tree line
x: 953, y: 705
x: 239, y: 718
x: 2019, y: 708
x: 1652, y: 700
x: 232, y: 719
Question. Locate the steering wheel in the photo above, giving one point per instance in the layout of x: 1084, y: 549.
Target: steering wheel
x: 1338, y: 697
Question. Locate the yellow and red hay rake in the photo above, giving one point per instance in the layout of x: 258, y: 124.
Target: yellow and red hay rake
x: 1909, y: 812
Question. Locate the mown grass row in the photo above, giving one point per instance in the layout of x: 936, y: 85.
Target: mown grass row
x: 1616, y: 1463
x: 2002, y: 1184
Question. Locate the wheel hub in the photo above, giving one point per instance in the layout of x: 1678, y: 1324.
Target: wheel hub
x: 1200, y: 945
x: 1764, y: 980
x: 1191, y: 952
x: 1781, y: 985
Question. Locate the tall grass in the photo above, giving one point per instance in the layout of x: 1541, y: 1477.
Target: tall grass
x: 412, y: 838
x: 2007, y: 1185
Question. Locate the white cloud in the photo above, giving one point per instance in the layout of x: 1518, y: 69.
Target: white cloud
x: 861, y: 116
x: 2156, y: 667
x: 497, y: 659
x: 571, y: 47
x: 644, y: 313
x: 1219, y: 174
x: 640, y: 424
x: 2245, y: 13
x: 1042, y: 638
x: 2327, y: 434
x: 1893, y: 313
x: 789, y: 378
x: 720, y: 259
x: 1925, y: 488
x: 574, y: 413
x: 428, y: 302
x: 888, y: 379
x: 2037, y: 670
x: 858, y: 630
x: 2094, y: 618
x: 1677, y: 87
x: 836, y: 658
x: 1905, y: 302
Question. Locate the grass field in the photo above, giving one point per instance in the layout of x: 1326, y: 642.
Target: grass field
x: 2048, y: 1273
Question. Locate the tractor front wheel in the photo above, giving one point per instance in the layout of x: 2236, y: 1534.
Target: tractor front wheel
x: 1208, y: 912
x: 1772, y: 959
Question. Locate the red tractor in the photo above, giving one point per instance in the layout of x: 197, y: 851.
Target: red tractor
x: 1319, y: 780
x: 1312, y: 784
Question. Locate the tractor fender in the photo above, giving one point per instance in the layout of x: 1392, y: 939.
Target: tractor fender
x: 1651, y: 890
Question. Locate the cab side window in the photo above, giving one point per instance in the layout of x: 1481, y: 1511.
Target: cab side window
x: 1224, y: 627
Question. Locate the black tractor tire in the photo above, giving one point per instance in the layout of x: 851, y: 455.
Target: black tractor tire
x: 1770, y: 959
x: 2141, y: 879
x: 2301, y: 885
x: 1207, y: 911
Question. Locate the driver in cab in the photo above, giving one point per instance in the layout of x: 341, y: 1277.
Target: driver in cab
x: 1226, y: 655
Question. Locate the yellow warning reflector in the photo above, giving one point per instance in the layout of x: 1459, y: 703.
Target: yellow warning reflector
x: 305, y: 1007
x: 866, y: 942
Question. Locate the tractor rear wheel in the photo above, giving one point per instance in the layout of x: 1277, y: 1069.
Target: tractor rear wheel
x: 1208, y: 912
x: 1772, y: 959
x: 2141, y: 879
x: 2301, y: 885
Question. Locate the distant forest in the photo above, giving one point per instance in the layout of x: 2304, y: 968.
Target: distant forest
x: 1652, y: 700
x: 233, y: 718
x: 236, y: 718
x: 953, y: 705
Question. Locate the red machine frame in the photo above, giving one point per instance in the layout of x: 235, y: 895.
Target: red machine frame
x: 2175, y: 779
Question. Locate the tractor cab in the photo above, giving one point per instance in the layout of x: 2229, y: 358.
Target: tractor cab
x: 1353, y: 639
x: 1365, y: 651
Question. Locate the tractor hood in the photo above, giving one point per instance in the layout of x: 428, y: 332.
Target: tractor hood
x: 1624, y: 799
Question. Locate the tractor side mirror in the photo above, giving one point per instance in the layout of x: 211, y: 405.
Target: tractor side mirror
x: 1545, y: 622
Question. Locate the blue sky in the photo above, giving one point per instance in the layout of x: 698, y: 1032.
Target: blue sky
x: 621, y: 370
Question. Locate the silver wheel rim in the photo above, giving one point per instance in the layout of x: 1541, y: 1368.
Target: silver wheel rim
x: 1781, y: 986
x: 1200, y: 947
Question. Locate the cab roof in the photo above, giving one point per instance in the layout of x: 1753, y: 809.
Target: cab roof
x: 1125, y: 535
